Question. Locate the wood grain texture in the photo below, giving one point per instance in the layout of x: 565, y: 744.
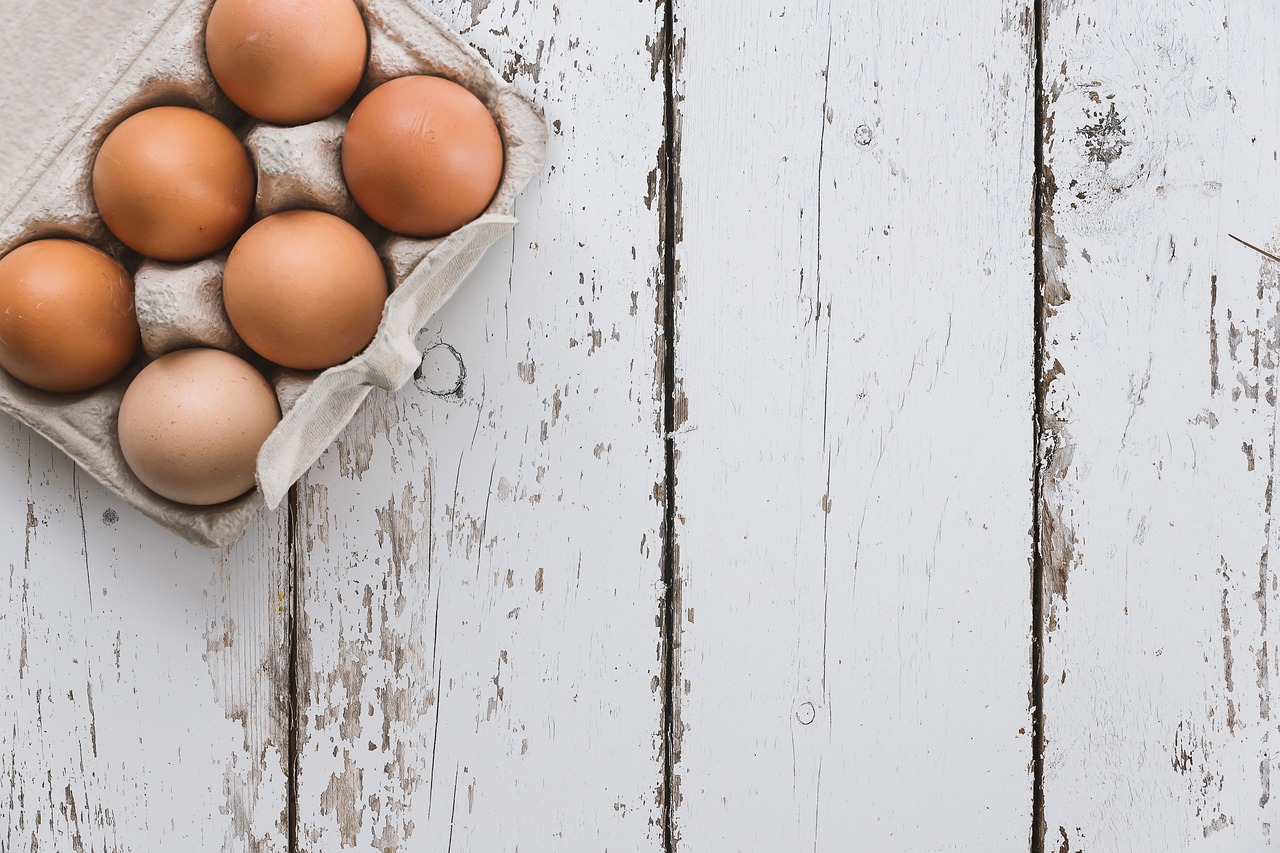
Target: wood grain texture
x: 144, y: 699
x: 144, y: 703
x: 480, y: 661
x: 479, y: 657
x: 1161, y: 361
x: 854, y: 427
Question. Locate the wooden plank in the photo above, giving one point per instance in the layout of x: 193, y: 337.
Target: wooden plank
x: 854, y: 427
x: 479, y: 663
x: 144, y: 702
x: 1160, y: 370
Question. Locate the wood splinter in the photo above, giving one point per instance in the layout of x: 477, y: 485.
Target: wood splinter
x: 1262, y: 252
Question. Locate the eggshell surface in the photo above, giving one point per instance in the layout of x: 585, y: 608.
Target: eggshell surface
x: 192, y: 423
x: 287, y: 61
x: 304, y: 289
x: 422, y: 156
x: 67, y: 320
x: 173, y: 183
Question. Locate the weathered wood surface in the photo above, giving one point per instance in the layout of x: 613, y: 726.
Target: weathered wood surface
x: 144, y: 700
x: 480, y: 646
x: 479, y: 657
x: 854, y: 364
x: 1161, y: 358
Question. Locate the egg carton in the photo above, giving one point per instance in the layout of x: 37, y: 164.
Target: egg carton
x: 298, y: 167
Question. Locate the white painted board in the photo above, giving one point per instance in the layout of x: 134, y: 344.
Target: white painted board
x: 481, y: 636
x: 1160, y: 367
x: 479, y: 657
x: 144, y: 698
x: 854, y: 427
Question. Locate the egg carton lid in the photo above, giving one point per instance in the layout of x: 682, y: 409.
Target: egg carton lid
x: 166, y: 65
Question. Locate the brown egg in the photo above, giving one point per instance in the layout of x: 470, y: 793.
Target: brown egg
x: 192, y: 423
x: 287, y: 62
x: 304, y: 289
x: 173, y: 183
x: 66, y: 316
x: 422, y: 156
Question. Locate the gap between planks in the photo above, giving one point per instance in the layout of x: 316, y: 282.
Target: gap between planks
x: 295, y: 703
x: 669, y: 218
x: 1039, y: 828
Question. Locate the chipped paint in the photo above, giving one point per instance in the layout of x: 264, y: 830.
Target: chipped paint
x: 1105, y: 139
x: 340, y: 800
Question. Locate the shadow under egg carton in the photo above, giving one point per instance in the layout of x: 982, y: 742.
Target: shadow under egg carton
x: 297, y: 167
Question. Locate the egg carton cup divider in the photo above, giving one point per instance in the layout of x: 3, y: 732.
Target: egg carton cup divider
x: 181, y: 305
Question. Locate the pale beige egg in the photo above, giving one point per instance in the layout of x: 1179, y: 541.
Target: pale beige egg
x: 192, y: 423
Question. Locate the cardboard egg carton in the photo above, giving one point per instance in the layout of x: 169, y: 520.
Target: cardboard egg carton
x: 299, y: 167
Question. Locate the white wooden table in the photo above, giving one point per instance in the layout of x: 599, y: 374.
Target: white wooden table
x: 814, y: 485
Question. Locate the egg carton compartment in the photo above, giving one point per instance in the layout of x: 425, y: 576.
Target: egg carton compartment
x: 301, y: 167
x: 180, y: 305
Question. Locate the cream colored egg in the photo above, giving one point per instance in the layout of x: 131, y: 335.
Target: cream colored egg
x: 192, y: 423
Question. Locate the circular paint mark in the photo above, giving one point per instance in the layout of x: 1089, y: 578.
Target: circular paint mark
x: 442, y: 373
x: 806, y: 713
x: 862, y: 135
